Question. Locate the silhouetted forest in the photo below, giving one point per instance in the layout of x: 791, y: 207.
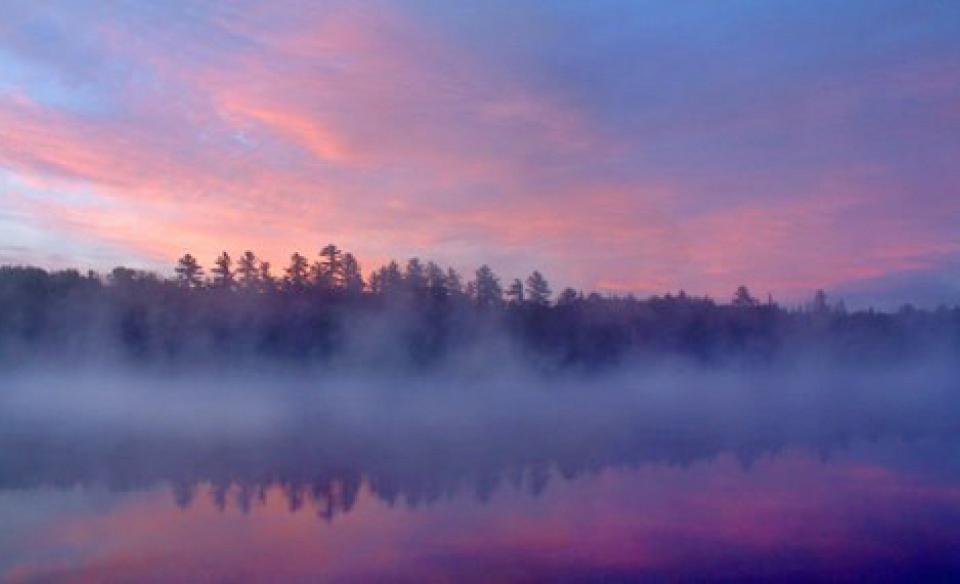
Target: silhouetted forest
x: 418, y: 314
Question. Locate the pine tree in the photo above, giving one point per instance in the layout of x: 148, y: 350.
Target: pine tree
x: 266, y: 280
x: 352, y: 276
x: 568, y: 297
x: 248, y: 271
x: 328, y: 272
x: 414, y: 276
x: 376, y: 281
x: 392, y: 278
x: 743, y: 299
x: 538, y: 290
x: 296, y: 273
x: 486, y: 289
x: 222, y: 272
x: 189, y: 272
x: 436, y: 282
x: 453, y: 282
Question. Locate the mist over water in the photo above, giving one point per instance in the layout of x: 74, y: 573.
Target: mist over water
x: 180, y: 433
x: 683, y: 396
x: 800, y: 455
x: 509, y: 292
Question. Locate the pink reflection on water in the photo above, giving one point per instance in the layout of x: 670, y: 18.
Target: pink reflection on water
x: 789, y: 516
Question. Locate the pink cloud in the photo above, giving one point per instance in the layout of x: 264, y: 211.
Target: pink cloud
x: 361, y: 126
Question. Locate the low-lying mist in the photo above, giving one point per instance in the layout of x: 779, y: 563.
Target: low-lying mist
x: 404, y: 322
x: 93, y: 425
x: 470, y: 389
x: 418, y: 387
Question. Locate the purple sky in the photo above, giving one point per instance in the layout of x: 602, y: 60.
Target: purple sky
x: 625, y: 146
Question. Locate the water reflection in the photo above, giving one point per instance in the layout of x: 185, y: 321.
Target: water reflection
x: 605, y: 494
x: 871, y: 510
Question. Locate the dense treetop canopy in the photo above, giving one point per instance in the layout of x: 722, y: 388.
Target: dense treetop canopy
x: 322, y: 310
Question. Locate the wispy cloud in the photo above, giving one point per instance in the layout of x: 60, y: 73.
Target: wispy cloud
x: 610, y: 157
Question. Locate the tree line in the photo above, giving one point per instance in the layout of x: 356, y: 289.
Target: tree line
x: 416, y: 315
x: 336, y: 271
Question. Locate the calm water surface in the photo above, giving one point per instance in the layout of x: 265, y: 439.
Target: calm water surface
x: 836, y: 498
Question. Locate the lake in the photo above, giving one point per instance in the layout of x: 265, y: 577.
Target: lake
x: 581, y: 491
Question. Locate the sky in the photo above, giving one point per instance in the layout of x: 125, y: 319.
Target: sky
x: 629, y: 146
